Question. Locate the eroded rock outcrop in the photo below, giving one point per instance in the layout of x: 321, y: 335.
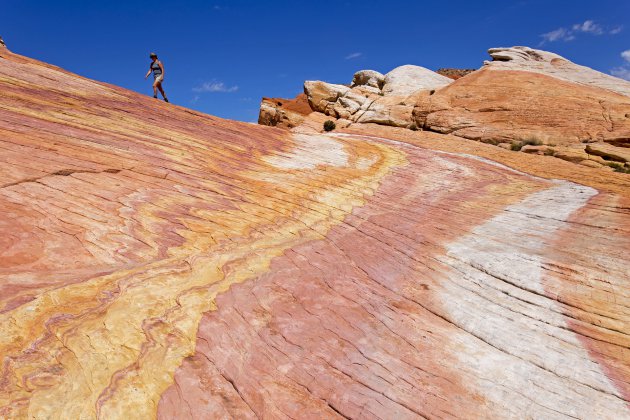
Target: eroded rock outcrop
x: 368, y: 78
x: 507, y: 105
x: 405, y: 80
x: 373, y: 97
x: 554, y: 65
x: 156, y: 262
x: 524, y: 96
x: 285, y: 113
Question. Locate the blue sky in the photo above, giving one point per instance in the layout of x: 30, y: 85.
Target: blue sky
x: 221, y: 57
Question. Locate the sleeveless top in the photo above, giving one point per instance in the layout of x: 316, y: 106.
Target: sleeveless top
x: 155, y: 68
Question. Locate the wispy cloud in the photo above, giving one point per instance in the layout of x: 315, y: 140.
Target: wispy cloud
x: 353, y: 55
x: 616, y: 30
x: 589, y: 27
x: 623, y: 71
x: 214, y: 86
x: 560, y: 34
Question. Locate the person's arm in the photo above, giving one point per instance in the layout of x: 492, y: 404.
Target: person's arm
x: 161, y: 68
x: 148, y: 73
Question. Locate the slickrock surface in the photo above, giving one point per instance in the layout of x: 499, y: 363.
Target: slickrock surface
x: 156, y: 262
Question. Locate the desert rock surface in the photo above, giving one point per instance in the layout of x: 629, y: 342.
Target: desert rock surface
x: 156, y: 262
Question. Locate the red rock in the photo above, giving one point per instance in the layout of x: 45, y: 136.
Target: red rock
x: 284, y: 113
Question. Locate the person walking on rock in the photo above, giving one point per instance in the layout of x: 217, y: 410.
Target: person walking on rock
x: 157, y: 68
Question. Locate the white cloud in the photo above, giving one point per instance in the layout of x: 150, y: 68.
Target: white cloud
x: 214, y: 86
x: 353, y: 55
x: 616, y: 30
x: 560, y: 34
x: 621, y: 72
x: 589, y: 27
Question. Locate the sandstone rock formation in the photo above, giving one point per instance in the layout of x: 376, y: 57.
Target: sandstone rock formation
x: 524, y: 95
x: 496, y: 106
x: 609, y: 152
x: 374, y: 98
x: 550, y: 64
x: 368, y: 78
x: 278, y: 112
x: 405, y: 80
x: 156, y: 262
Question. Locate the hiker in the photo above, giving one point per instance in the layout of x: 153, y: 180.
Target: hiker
x: 157, y: 68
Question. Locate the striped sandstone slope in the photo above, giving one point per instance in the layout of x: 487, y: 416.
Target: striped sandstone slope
x: 156, y: 262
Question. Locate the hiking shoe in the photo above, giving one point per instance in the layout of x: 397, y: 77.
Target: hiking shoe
x: 155, y: 96
x: 165, y: 99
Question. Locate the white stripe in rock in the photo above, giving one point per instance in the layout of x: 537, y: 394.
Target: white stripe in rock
x: 311, y: 150
x: 496, y: 294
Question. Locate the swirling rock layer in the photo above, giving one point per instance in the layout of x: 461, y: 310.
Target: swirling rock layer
x: 158, y: 262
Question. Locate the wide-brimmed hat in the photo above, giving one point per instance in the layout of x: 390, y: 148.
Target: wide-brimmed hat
x: 153, y: 55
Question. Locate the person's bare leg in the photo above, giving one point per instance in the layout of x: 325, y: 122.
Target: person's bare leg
x: 155, y: 90
x: 159, y: 86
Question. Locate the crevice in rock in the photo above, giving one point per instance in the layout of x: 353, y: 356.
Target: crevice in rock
x: 61, y: 172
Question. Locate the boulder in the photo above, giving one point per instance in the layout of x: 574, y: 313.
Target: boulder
x: 322, y: 96
x: 609, y: 152
x: 405, y: 80
x: 392, y: 111
x: 368, y: 78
